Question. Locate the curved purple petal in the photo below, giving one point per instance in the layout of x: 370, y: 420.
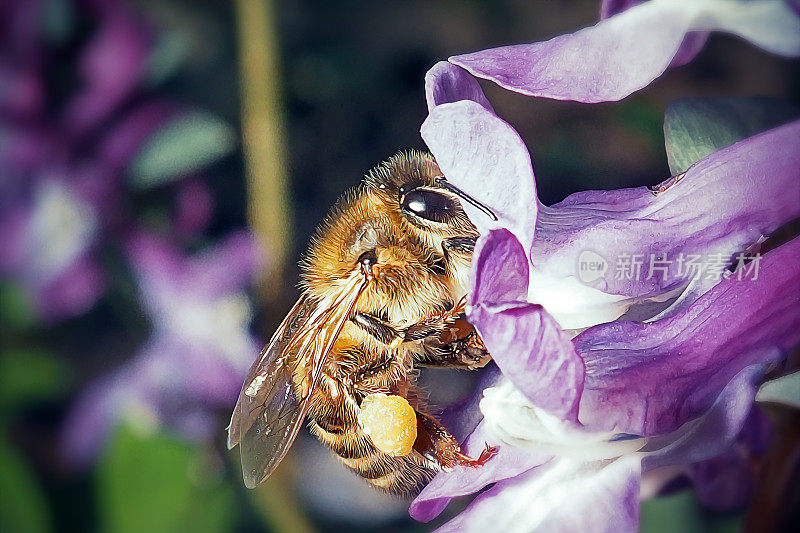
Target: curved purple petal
x: 626, y: 52
x: 533, y: 351
x: 712, y: 433
x: 126, y: 138
x: 474, y: 148
x: 446, y: 83
x: 91, y: 418
x: 692, y: 44
x: 159, y: 266
x: 462, y: 417
x: 527, y: 345
x: 653, y: 243
x: 563, y: 496
x: 650, y: 378
x: 499, y: 269
x: 609, y: 8
x: 725, y: 483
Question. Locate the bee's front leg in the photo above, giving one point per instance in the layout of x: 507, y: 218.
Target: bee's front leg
x: 435, y: 441
x: 431, y: 326
x: 459, y: 346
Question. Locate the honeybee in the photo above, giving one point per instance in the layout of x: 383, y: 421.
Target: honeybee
x: 384, y: 285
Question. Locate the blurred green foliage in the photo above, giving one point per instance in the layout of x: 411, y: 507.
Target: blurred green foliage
x: 15, y: 309
x: 682, y: 513
x: 159, y: 483
x: 29, y: 375
x: 186, y: 144
x: 697, y: 127
x: 23, y: 506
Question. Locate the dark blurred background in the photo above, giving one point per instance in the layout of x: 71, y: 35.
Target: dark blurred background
x: 126, y: 120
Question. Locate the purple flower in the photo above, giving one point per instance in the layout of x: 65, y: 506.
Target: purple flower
x: 47, y: 244
x: 612, y: 374
x: 62, y: 166
x: 197, y: 354
x: 624, y: 53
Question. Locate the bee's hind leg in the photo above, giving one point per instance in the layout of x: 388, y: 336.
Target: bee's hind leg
x: 433, y: 440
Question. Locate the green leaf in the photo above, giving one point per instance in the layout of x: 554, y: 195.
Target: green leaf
x: 184, y: 145
x: 170, y: 52
x: 156, y: 482
x: 28, y: 375
x: 785, y: 390
x: 676, y: 512
x: 58, y: 20
x: 696, y: 128
x: 16, y: 311
x: 682, y: 512
x: 23, y: 506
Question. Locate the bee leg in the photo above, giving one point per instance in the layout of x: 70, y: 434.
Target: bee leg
x: 381, y: 375
x: 468, y: 353
x: 435, y: 325
x: 378, y: 328
x: 427, y: 327
x: 459, y: 346
x: 435, y: 441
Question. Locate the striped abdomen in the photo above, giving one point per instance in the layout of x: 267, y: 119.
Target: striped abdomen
x: 334, y: 422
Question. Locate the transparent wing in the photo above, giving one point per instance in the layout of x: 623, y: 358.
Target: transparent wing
x: 270, y: 408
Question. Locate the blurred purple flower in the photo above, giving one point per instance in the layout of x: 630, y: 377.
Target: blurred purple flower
x: 62, y: 166
x: 198, y: 352
x: 47, y: 248
x: 578, y: 421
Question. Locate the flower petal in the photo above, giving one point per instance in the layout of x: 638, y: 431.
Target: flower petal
x: 527, y: 345
x: 507, y: 463
x: 726, y: 482
x: 474, y: 148
x: 712, y: 433
x: 499, y: 271
x: 446, y: 83
x: 626, y: 52
x: 91, y: 418
x: 692, y: 44
x: 111, y: 68
x: 700, y: 217
x: 73, y: 291
x: 230, y: 265
x: 650, y: 378
x: 563, y: 496
x: 534, y: 353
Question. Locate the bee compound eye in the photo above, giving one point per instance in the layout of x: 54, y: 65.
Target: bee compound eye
x: 368, y: 258
x: 428, y: 204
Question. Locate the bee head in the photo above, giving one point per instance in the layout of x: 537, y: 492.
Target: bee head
x: 413, y: 184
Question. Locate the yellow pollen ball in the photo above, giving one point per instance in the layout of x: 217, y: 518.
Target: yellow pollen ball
x: 390, y: 422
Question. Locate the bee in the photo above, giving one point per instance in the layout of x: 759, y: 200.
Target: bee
x: 383, y: 290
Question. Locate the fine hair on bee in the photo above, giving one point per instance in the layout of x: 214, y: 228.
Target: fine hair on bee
x: 383, y: 288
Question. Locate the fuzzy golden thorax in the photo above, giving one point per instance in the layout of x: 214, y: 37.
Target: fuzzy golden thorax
x: 414, y: 275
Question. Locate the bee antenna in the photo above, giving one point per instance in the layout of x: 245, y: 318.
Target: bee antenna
x: 461, y: 194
